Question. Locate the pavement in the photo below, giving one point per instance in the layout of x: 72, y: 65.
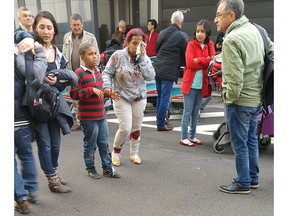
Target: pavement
x: 173, y: 180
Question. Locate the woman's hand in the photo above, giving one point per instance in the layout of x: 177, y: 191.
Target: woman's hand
x: 98, y: 92
x: 115, y: 96
x: 50, y: 79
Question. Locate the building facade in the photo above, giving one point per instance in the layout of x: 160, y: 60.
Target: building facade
x: 102, y: 16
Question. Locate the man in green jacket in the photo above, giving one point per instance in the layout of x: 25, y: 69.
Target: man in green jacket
x: 242, y: 68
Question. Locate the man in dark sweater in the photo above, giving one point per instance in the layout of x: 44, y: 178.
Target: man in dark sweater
x: 170, y: 47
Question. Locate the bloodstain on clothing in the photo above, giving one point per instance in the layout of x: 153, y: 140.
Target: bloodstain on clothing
x: 135, y: 135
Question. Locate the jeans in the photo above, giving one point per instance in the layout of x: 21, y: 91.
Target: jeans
x: 242, y: 124
x: 192, y: 104
x: 130, y: 116
x: 26, y: 183
x: 164, y: 88
x: 48, y: 142
x: 96, y: 134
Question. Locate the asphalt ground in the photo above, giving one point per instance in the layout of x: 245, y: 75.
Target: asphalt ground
x: 173, y: 180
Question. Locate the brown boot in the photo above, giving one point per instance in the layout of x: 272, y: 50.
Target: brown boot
x: 55, y: 185
x: 22, y: 207
x: 63, y: 181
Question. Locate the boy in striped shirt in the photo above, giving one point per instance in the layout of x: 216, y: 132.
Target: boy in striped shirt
x: 92, y: 113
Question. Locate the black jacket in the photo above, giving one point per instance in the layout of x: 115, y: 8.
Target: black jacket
x: 170, y: 47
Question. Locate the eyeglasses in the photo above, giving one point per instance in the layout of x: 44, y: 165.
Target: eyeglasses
x: 220, y: 15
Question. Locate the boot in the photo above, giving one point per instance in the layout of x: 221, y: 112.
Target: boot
x: 63, y: 181
x: 55, y: 185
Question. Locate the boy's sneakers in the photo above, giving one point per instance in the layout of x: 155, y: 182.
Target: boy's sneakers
x: 111, y: 173
x: 115, y: 159
x: 22, y: 207
x: 93, y: 173
x: 135, y: 158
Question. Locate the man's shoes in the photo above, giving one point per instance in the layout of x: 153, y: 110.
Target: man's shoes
x: 253, y: 185
x: 166, y: 128
x: 93, y: 174
x: 33, y: 198
x: 135, y: 159
x: 111, y: 173
x: 115, y: 159
x: 22, y: 207
x: 234, y: 188
x: 76, y: 128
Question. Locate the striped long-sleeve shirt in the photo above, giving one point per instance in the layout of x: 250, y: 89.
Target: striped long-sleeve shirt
x: 90, y: 106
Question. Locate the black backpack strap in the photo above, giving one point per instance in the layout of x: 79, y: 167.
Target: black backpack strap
x: 29, y: 66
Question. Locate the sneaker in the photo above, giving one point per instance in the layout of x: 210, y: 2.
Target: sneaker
x: 93, y: 174
x: 234, y: 188
x: 115, y: 159
x: 253, y: 185
x: 135, y: 158
x: 33, y: 198
x: 22, y: 207
x: 111, y: 173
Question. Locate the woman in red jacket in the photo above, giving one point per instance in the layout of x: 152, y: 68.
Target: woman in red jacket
x: 195, y: 82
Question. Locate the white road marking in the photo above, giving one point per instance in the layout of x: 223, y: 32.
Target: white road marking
x: 201, y: 129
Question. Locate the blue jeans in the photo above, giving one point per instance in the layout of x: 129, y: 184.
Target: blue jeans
x: 48, y: 142
x: 96, y: 134
x: 27, y: 182
x: 242, y: 124
x: 164, y: 88
x: 192, y: 103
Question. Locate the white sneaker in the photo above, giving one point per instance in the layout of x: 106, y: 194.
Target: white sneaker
x: 115, y: 159
x: 135, y: 158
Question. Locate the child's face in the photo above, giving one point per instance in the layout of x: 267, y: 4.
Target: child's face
x: 200, y: 34
x: 90, y: 57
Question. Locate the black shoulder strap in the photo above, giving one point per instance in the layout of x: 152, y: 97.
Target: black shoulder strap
x: 29, y: 66
x: 266, y: 45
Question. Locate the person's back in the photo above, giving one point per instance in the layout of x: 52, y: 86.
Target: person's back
x: 170, y: 47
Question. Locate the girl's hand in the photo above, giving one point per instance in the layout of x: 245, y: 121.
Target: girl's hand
x: 195, y: 60
x: 98, y: 92
x: 51, y: 80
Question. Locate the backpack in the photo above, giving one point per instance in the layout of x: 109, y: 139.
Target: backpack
x: 268, y: 73
x: 41, y: 102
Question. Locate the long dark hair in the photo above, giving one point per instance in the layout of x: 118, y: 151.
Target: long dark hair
x: 46, y: 15
x: 134, y: 32
x: 207, y: 28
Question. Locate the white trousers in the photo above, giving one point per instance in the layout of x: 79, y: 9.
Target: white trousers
x: 130, y: 116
